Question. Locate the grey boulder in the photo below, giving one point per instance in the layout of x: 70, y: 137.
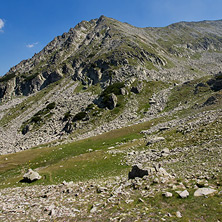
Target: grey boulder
x: 183, y: 194
x: 31, y: 176
x: 204, y: 192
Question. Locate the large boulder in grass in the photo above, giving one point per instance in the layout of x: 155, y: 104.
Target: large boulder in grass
x: 31, y: 176
x: 204, y: 192
x: 137, y: 172
x: 183, y: 194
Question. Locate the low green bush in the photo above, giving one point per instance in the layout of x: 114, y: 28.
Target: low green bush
x: 114, y: 88
x: 51, y: 105
x: 67, y: 115
x: 7, y: 77
x: 79, y: 116
x: 30, y: 77
x: 89, y: 107
x: 36, y: 119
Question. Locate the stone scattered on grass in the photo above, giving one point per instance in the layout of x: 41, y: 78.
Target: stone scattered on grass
x: 93, y: 210
x: 155, y: 140
x: 183, y: 194
x: 165, y: 152
x: 178, y: 214
x: 204, y: 192
x: 31, y: 176
x: 167, y: 194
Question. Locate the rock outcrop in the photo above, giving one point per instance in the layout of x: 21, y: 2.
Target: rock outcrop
x: 31, y: 176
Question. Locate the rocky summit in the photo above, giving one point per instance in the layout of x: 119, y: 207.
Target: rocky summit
x: 117, y: 123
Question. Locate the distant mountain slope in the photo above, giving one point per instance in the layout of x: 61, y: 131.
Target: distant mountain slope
x: 105, y: 50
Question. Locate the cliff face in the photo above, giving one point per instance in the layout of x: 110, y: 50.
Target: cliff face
x: 105, y: 51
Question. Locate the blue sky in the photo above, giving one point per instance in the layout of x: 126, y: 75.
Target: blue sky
x: 26, y: 26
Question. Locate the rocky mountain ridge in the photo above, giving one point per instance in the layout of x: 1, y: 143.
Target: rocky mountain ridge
x: 105, y: 50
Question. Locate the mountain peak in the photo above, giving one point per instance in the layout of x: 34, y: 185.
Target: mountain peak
x: 99, y: 52
x: 102, y: 19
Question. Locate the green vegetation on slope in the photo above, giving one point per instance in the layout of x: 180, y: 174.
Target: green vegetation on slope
x: 68, y: 155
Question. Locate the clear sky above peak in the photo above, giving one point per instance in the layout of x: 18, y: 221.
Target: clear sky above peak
x: 26, y: 26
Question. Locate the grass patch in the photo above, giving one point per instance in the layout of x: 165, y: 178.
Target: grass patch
x: 148, y: 89
x: 30, y: 77
x: 191, y: 208
x: 87, y: 166
x: 114, y: 88
x: 196, y: 56
x: 51, y: 158
x: 188, y: 92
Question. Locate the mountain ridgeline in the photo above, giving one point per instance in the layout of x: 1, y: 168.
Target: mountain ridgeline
x: 106, y: 51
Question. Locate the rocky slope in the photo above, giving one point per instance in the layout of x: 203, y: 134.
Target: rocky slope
x: 73, y: 71
x: 106, y: 99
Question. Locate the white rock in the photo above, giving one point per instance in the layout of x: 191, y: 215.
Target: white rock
x: 203, y: 192
x: 152, y: 101
x: 155, y: 140
x: 165, y: 150
x: 184, y: 194
x: 31, y: 176
x: 168, y: 194
x: 68, y: 184
x: 178, y: 214
x: 93, y: 210
x: 162, y: 172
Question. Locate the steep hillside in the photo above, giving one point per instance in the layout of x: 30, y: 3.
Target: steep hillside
x: 74, y: 70
x: 178, y: 146
x: 130, y: 117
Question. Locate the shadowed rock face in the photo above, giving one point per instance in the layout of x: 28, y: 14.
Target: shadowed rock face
x: 137, y: 172
x: 68, y: 127
x: 213, y: 100
x: 112, y: 102
x: 215, y: 84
